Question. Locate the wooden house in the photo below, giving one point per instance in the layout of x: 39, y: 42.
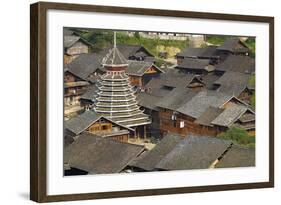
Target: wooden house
x: 170, y: 121
x: 74, y: 46
x: 87, y: 66
x: 216, y: 120
x: 236, y: 63
x: 149, y: 102
x: 91, y: 122
x: 79, y: 76
x: 233, y: 46
x: 135, y: 52
x: 210, y: 53
x: 172, y: 79
x: 74, y: 87
x: 91, y: 154
x: 198, y: 114
x: 236, y: 84
x: 195, y: 66
x: 141, y: 72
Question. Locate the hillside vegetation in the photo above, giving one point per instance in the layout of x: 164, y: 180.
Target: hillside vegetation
x: 101, y: 39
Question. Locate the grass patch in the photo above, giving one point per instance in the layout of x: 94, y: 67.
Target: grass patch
x: 216, y: 40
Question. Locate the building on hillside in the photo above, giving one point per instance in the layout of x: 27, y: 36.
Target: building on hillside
x: 233, y: 46
x: 73, y: 46
x: 141, y: 72
x: 209, y: 52
x: 236, y: 84
x: 91, y: 154
x: 101, y: 126
x: 236, y: 63
x: 87, y: 66
x: 115, y: 98
x: 172, y: 79
x: 216, y: 120
x: 195, y: 66
x: 79, y: 76
x: 74, y: 87
x: 135, y: 52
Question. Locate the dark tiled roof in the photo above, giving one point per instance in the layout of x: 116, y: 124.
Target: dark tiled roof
x: 238, y: 156
x: 248, y: 117
x: 208, y: 116
x: 98, y: 155
x: 207, y: 52
x: 132, y: 50
x: 139, y: 67
x: 176, y: 98
x: 233, y: 83
x: 172, y: 78
x: 90, y: 94
x: 68, y: 41
x: 81, y: 122
x: 67, y: 32
x: 84, y: 65
x: 149, y: 160
x: 209, y: 80
x: 237, y: 63
x: 67, y: 140
x: 156, y: 88
x: 147, y: 100
x: 194, y: 152
x: 200, y: 102
x: 234, y: 45
x: 180, y: 80
x: 194, y: 63
x: 229, y: 115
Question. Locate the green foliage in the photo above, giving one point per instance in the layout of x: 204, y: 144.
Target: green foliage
x: 238, y: 136
x: 159, y: 62
x: 137, y: 35
x: 251, y: 43
x: 253, y: 100
x: 216, y: 40
x: 252, y: 81
x: 99, y: 39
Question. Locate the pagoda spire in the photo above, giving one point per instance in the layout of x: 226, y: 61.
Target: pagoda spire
x: 114, y: 57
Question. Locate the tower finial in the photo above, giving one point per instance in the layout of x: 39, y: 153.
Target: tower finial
x: 114, y: 39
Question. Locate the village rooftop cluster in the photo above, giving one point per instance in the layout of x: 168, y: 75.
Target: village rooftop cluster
x: 123, y: 113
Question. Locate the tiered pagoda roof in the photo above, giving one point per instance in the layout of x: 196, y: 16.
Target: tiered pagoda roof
x: 115, y: 98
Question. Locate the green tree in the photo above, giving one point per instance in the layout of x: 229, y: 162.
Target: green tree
x: 238, y: 136
x: 137, y: 35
